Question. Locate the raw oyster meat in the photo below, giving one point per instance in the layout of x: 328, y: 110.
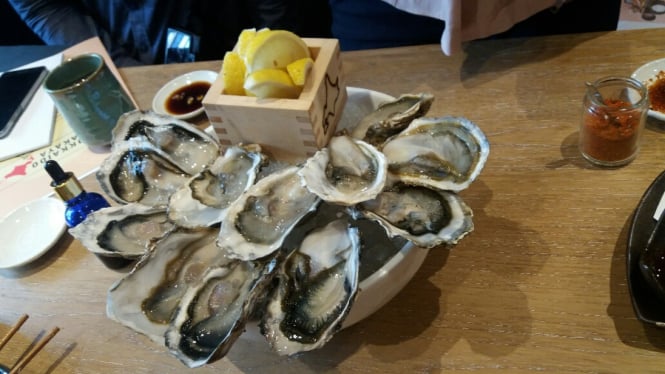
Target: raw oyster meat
x: 446, y: 153
x: 424, y: 216
x: 138, y: 172
x: 317, y: 286
x: 122, y: 231
x: 392, y: 117
x: 203, y: 200
x: 187, y: 146
x: 259, y: 220
x: 346, y: 172
x: 146, y: 298
x: 213, y: 312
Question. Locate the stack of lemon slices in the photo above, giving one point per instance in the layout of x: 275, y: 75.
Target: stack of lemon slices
x: 266, y: 64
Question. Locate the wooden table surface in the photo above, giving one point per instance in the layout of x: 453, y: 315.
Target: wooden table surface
x: 540, y: 285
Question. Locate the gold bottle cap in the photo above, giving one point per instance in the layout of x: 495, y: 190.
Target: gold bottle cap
x: 68, y: 189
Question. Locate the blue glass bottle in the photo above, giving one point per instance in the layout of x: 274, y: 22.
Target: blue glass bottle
x: 79, y: 203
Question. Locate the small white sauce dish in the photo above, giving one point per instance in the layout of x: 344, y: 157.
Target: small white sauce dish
x: 30, y: 231
x: 160, y: 98
x: 647, y: 74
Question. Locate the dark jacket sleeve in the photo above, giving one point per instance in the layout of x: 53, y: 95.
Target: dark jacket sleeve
x: 66, y: 22
x: 56, y: 22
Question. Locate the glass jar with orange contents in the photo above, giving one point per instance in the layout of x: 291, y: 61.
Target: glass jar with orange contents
x: 615, y: 110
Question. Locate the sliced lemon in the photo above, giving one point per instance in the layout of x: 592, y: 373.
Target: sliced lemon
x: 271, y: 83
x: 274, y: 49
x: 233, y: 74
x: 244, y: 38
x: 299, y: 70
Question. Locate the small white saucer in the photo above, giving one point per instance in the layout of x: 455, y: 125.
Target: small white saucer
x: 159, y: 101
x: 31, y: 230
x: 647, y: 74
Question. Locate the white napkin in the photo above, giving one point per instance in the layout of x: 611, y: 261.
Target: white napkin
x: 35, y: 126
x: 472, y: 19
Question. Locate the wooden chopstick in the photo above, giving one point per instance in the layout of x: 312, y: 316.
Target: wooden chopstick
x: 24, y: 361
x: 13, y: 330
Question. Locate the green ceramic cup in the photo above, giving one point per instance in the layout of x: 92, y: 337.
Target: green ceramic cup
x: 89, y: 97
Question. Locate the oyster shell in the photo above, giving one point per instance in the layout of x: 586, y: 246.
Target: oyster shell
x: 346, y: 172
x: 259, y: 220
x: 187, y: 146
x: 445, y: 153
x: 146, y: 298
x: 392, y: 117
x: 135, y: 171
x: 424, y: 216
x: 213, y: 313
x: 122, y: 231
x: 317, y: 286
x: 203, y: 200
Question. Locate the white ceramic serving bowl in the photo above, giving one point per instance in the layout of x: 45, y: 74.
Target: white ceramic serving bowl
x: 647, y: 74
x: 159, y: 100
x: 31, y: 230
x: 384, y: 284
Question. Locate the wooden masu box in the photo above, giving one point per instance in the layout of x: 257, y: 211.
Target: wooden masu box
x: 289, y: 128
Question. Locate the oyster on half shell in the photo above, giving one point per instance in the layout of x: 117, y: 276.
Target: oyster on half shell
x: 137, y: 172
x: 445, y: 153
x: 422, y: 215
x: 187, y: 146
x: 122, y: 231
x: 259, y: 220
x: 214, y: 311
x: 392, y: 117
x: 204, y: 199
x: 146, y: 298
x: 317, y: 286
x: 346, y: 172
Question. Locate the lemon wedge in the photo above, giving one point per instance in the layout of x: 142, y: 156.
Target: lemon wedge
x: 233, y: 74
x: 299, y: 70
x: 273, y: 83
x: 274, y: 49
x: 244, y: 39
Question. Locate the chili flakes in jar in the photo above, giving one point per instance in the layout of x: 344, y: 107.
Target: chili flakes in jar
x: 613, y: 119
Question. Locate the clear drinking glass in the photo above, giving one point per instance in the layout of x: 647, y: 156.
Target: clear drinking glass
x: 615, y: 110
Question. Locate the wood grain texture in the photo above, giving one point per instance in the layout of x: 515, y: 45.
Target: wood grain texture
x: 540, y: 285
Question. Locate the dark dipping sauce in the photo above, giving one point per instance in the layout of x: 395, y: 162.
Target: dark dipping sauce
x: 187, y: 99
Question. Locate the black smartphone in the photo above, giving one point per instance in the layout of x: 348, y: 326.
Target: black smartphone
x: 17, y: 87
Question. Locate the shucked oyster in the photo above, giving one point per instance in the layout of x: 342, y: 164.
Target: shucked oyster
x: 152, y: 156
x: 259, y: 220
x: 138, y: 172
x: 195, y: 288
x: 445, y: 153
x: 187, y: 146
x: 122, y: 231
x: 424, y: 216
x: 346, y: 172
x: 317, y: 286
x: 392, y: 117
x: 147, y: 297
x: 213, y: 312
x: 203, y: 200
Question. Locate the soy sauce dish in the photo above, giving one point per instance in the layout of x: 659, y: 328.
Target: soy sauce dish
x: 181, y: 97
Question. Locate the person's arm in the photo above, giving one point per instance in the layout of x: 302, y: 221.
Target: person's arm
x: 56, y: 22
x: 64, y: 22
